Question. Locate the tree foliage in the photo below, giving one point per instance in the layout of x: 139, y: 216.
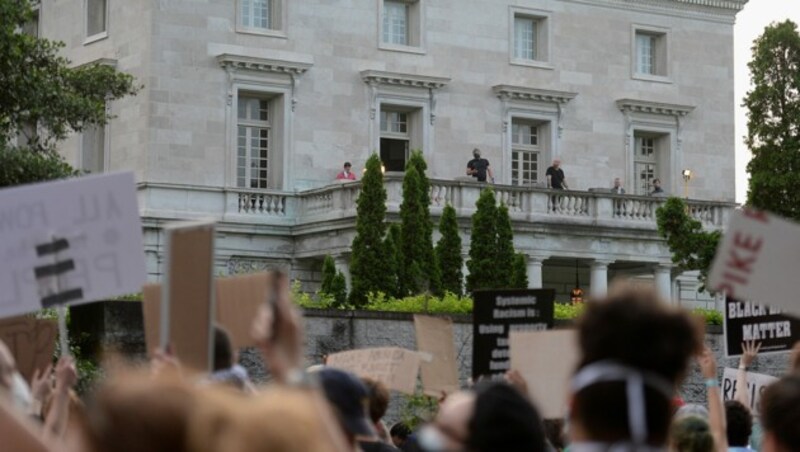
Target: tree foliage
x: 448, y: 252
x: 417, y: 270
x: 368, y: 265
x: 692, y: 248
x: 23, y: 166
x: 390, y: 247
x: 38, y: 87
x: 333, y: 284
x: 773, y: 121
x: 481, y: 264
x: 504, y: 250
x: 519, y: 277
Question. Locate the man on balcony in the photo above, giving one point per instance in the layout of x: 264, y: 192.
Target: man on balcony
x: 557, y: 181
x: 657, y: 190
x: 346, y: 174
x: 479, y: 168
x: 617, y: 189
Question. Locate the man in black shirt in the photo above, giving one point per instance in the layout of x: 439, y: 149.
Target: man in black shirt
x: 479, y: 168
x: 555, y: 176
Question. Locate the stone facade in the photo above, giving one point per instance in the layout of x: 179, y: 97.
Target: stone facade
x: 325, y: 74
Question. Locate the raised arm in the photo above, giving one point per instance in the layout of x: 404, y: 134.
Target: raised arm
x: 716, y: 412
x: 750, y: 350
x: 57, y: 418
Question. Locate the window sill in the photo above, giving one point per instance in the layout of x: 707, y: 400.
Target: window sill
x: 533, y: 63
x: 94, y: 38
x: 400, y: 48
x: 652, y: 78
x: 262, y: 32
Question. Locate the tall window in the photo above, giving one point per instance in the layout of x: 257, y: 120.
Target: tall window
x: 525, y: 152
x: 524, y: 38
x: 255, y: 14
x: 395, y: 139
x: 252, y: 142
x: 645, y: 53
x: 651, y: 53
x: 93, y: 149
x: 395, y: 22
x: 645, y: 164
x: 96, y: 15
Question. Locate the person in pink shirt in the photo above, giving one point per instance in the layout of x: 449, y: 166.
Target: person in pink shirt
x: 346, y: 173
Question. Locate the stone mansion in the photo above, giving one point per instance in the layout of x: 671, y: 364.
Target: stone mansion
x: 250, y: 108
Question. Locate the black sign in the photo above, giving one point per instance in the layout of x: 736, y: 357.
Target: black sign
x: 747, y: 321
x: 496, y: 313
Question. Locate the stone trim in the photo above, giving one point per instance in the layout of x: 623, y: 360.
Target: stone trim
x: 656, y: 108
x: 228, y: 61
x: 723, y: 11
x: 521, y: 93
x: 372, y: 77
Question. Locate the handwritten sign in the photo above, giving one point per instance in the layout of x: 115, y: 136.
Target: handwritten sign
x: 746, y: 321
x: 546, y: 359
x: 31, y: 341
x: 69, y: 242
x: 435, y: 338
x: 758, y: 259
x: 756, y: 385
x: 396, y: 367
x: 495, y: 315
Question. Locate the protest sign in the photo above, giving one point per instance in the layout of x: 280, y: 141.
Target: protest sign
x: 151, y: 314
x: 758, y: 259
x: 69, y: 242
x: 746, y: 321
x: 435, y: 338
x: 238, y: 300
x: 546, y: 359
x: 396, y: 367
x: 187, y: 295
x: 495, y: 315
x: 756, y: 384
x: 31, y: 341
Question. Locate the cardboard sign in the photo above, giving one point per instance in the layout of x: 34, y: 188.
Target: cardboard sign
x: 396, y: 367
x: 187, y: 308
x: 31, y: 341
x: 547, y: 360
x: 756, y: 385
x: 69, y: 242
x: 435, y: 338
x: 237, y: 301
x: 745, y: 321
x: 495, y: 315
x: 759, y: 259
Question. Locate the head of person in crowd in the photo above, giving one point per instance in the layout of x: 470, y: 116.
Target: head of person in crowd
x: 399, y: 434
x: 378, y: 395
x: 691, y: 434
x: 739, y: 423
x: 635, y: 349
x: 137, y: 413
x: 349, y: 398
x: 780, y: 415
x: 492, y: 416
x: 225, y: 368
x: 554, y: 432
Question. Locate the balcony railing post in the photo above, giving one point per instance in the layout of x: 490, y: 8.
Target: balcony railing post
x: 605, y: 207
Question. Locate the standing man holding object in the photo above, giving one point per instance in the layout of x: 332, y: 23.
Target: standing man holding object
x: 479, y: 168
x: 557, y: 181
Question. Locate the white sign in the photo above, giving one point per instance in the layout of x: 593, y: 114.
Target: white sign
x: 756, y: 384
x: 69, y: 242
x: 758, y: 259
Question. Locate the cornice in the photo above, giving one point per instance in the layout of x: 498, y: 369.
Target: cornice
x: 395, y: 78
x: 229, y: 61
x: 723, y: 11
x: 532, y: 94
x: 656, y: 108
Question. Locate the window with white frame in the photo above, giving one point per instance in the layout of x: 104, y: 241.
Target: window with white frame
x: 650, y: 57
x: 259, y: 16
x: 524, y: 38
x: 96, y: 17
x: 401, y: 25
x: 252, y: 141
x: 93, y: 149
x: 525, y: 151
x: 395, y: 138
x: 645, y: 163
x: 529, y: 36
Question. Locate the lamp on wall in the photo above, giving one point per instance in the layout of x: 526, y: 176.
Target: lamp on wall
x: 576, y: 296
x: 687, y: 176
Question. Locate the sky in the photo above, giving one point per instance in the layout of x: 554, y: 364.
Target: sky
x: 750, y: 23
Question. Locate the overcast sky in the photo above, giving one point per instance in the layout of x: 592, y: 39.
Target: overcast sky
x: 750, y: 23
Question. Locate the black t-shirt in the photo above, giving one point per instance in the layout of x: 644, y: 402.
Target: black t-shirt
x: 480, y: 165
x: 376, y: 446
x: 556, y: 177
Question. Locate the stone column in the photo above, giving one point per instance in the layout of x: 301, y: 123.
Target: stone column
x: 535, y: 272
x: 342, y: 263
x: 663, y: 281
x: 599, y: 279
x: 464, y: 271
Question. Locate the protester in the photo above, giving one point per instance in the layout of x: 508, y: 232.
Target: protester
x: 479, y: 167
x: 400, y: 433
x: 691, y: 434
x: 225, y: 368
x: 378, y: 396
x: 740, y: 426
x: 780, y: 415
x: 346, y: 174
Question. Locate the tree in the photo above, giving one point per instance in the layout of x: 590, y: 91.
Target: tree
x: 333, y: 283
x: 22, y: 166
x: 412, y: 269
x: 368, y: 266
x: 692, y: 248
x: 519, y: 278
x: 448, y: 252
x: 481, y: 264
x: 390, y: 247
x: 773, y: 121
x: 504, y: 250
x: 426, y: 261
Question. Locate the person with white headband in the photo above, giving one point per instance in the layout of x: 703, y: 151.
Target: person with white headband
x: 634, y: 350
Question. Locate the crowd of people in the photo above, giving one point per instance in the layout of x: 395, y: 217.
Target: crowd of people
x: 635, y: 353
